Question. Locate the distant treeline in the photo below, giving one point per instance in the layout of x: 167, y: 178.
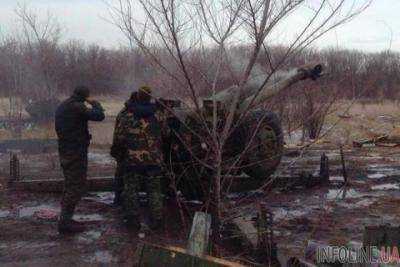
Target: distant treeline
x: 49, y: 69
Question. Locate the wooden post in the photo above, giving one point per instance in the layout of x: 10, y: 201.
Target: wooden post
x: 14, y: 169
x: 266, y: 251
x: 382, y: 235
x: 195, y: 255
x: 324, y: 169
x: 344, y: 172
x: 198, y: 243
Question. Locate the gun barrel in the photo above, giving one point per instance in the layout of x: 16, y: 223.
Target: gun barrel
x: 258, y: 96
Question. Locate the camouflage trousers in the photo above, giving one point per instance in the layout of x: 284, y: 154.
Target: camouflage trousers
x: 118, y: 183
x: 74, y: 166
x: 132, y: 185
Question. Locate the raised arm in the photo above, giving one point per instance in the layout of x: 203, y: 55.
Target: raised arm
x: 95, y: 113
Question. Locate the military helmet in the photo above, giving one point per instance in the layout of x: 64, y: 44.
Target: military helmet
x: 144, y: 93
x: 145, y: 89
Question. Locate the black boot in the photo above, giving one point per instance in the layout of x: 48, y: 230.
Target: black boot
x: 66, y: 225
x: 156, y: 224
x: 118, y: 189
x: 132, y: 223
x: 118, y: 201
x: 70, y: 227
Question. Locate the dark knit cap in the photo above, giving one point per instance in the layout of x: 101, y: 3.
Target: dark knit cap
x: 82, y: 91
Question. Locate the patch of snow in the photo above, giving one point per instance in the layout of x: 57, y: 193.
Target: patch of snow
x: 88, y: 217
x: 336, y: 179
x: 89, y: 237
x: 102, y: 197
x: 25, y: 212
x: 342, y: 194
x: 376, y: 176
x: 283, y: 213
x: 4, y: 213
x: 386, y: 187
x: 103, y: 256
x: 100, y: 158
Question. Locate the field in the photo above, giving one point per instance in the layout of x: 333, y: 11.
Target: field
x: 348, y: 121
x: 329, y: 214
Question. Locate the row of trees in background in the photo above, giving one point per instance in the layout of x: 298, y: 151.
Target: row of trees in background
x: 56, y: 68
x: 51, y: 69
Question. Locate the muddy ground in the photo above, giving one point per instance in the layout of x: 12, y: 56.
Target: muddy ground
x: 331, y: 214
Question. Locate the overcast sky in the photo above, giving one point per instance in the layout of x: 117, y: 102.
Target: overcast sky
x: 83, y: 19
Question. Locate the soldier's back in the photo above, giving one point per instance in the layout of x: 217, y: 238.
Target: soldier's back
x: 143, y: 135
x: 71, y: 127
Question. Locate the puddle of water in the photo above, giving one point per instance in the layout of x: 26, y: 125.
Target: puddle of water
x: 27, y: 245
x: 283, y: 213
x: 370, y: 158
x: 194, y: 202
x: 88, y: 217
x: 376, y: 176
x: 380, y: 167
x: 332, y: 155
x: 381, y: 219
x: 104, y: 256
x: 102, y: 197
x: 89, y: 237
x: 101, y: 158
x: 359, y: 204
x: 336, y: 179
x: 343, y: 194
x: 4, y: 213
x: 30, y: 211
x: 386, y: 187
x: 282, y: 233
x: 253, y: 193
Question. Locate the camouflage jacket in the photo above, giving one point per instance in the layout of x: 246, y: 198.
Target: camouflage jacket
x: 138, y: 136
x: 117, y: 148
x: 71, y: 122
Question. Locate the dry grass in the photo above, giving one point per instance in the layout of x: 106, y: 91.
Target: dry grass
x: 365, y: 120
x: 112, y: 105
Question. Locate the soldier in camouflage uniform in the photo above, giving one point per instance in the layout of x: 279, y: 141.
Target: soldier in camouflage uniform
x: 139, y: 137
x: 118, y: 151
x: 71, y: 123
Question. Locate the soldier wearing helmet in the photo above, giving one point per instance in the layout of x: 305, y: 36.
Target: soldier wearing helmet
x: 118, y: 151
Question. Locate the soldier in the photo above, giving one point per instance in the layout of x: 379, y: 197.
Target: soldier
x: 140, y: 132
x: 71, y: 123
x: 118, y: 151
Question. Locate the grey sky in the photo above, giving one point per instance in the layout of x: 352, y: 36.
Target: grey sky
x: 378, y: 28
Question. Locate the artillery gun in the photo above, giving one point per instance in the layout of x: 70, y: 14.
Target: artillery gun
x: 255, y: 144
x: 42, y: 110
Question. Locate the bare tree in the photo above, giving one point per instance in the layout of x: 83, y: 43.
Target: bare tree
x: 13, y: 76
x: 42, y: 37
x: 172, y: 31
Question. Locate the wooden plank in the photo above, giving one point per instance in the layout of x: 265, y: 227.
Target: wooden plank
x: 152, y: 255
x: 248, y: 230
x: 237, y: 183
x: 57, y: 185
x: 31, y: 146
x: 198, y: 243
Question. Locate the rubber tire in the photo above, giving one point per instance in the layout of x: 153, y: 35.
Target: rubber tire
x: 263, y: 170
